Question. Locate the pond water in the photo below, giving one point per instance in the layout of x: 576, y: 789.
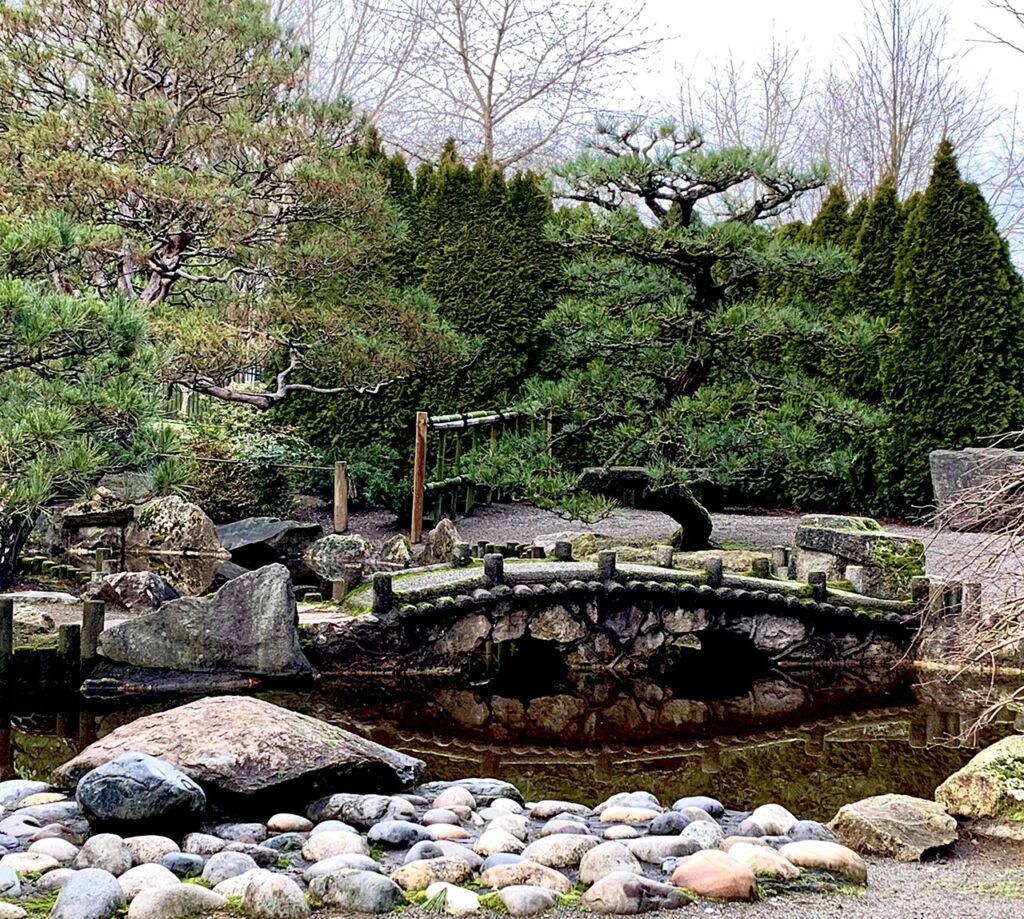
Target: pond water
x: 809, y: 739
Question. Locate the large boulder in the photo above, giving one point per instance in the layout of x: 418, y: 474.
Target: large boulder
x: 439, y: 543
x: 971, y: 471
x: 328, y: 556
x: 259, y: 541
x: 894, y: 826
x: 248, y: 626
x: 135, y: 790
x: 990, y: 785
x: 136, y: 591
x: 171, y: 524
x: 241, y: 746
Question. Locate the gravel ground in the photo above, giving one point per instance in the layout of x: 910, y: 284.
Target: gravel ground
x: 977, y: 881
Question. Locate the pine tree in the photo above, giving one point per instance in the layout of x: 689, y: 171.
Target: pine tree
x: 952, y: 376
x: 77, y: 373
x: 668, y: 359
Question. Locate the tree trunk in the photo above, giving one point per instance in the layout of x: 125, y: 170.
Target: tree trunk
x: 13, y: 535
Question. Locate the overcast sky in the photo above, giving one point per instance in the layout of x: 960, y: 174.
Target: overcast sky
x: 706, y: 30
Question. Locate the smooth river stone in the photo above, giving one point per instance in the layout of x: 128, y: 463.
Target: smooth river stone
x: 607, y: 858
x: 150, y: 849
x: 397, y: 834
x: 524, y: 900
x: 492, y: 841
x: 828, y: 856
x: 528, y: 873
x: 562, y: 850
x: 440, y: 815
x: 60, y: 849
x: 712, y: 873
x: 334, y: 842
x: 421, y: 874
x: 655, y: 849
x: 621, y: 831
x: 711, y: 805
x: 629, y: 815
x: 274, y: 896
x: 623, y: 893
x: 556, y: 825
x: 457, y: 901
x: 341, y: 863
x: 774, y: 819
x: 631, y: 799
x: 447, y: 831
x: 175, y: 902
x: 454, y: 795
x: 545, y: 810
x: 764, y: 860
x: 516, y: 824
x: 29, y: 862
x: 144, y: 877
x: 358, y: 891
x: 289, y: 823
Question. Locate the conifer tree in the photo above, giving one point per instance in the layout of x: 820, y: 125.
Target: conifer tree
x: 953, y: 374
x: 875, y: 250
x: 668, y: 359
x: 77, y: 376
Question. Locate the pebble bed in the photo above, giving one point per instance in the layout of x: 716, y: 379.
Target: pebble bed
x: 457, y: 848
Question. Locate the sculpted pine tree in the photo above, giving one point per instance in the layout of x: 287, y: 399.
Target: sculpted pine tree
x: 952, y: 377
x: 227, y: 195
x: 76, y: 373
x: 669, y: 360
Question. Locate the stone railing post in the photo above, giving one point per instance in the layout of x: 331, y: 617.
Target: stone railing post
x: 494, y: 569
x: 714, y: 568
x: 563, y: 551
x: 762, y: 567
x: 780, y: 561
x: 606, y: 564
x: 920, y: 590
x: 383, y: 592
x: 663, y: 556
x: 461, y: 555
x: 819, y: 585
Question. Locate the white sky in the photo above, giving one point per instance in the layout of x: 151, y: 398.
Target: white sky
x: 706, y: 30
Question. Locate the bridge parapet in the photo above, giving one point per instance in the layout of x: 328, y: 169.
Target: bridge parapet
x: 603, y: 616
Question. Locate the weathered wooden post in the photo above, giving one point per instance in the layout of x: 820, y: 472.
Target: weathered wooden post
x: 6, y: 639
x: 69, y: 652
x: 340, y: 497
x: 93, y: 615
x: 419, y: 478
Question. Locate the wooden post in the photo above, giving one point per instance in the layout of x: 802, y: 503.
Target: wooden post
x: 340, y: 497
x: 93, y: 614
x: 6, y: 638
x: 69, y: 651
x: 419, y: 478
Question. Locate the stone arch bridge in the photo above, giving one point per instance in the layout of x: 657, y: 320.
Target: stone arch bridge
x: 601, y: 616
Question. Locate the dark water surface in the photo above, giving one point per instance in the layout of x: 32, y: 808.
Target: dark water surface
x: 809, y: 739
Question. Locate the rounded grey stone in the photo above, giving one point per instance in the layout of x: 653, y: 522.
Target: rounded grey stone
x: 183, y: 864
x: 224, y: 865
x: 358, y: 891
x: 397, y: 834
x: 424, y: 850
x: 91, y: 894
x: 670, y: 823
x: 136, y: 788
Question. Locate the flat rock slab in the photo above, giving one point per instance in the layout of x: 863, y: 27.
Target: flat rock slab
x: 286, y: 536
x: 247, y: 746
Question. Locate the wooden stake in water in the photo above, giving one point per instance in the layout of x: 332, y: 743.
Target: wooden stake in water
x: 419, y: 478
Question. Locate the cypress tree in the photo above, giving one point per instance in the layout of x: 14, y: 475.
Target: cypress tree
x: 876, y: 249
x: 952, y: 375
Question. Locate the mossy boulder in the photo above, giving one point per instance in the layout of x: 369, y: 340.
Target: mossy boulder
x: 990, y: 785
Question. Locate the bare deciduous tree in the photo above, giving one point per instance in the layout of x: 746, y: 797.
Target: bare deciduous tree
x: 506, y: 78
